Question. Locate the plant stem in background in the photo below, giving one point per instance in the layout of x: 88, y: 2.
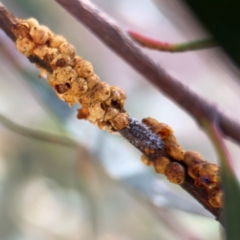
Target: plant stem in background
x: 172, y: 47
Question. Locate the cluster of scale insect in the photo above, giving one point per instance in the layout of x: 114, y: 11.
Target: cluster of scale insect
x: 204, y: 174
x: 73, y: 78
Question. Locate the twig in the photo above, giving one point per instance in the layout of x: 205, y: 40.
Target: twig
x: 172, y: 47
x: 38, y: 135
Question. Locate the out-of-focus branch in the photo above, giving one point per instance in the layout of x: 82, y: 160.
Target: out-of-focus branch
x: 118, y: 41
x: 38, y: 135
x: 172, y: 47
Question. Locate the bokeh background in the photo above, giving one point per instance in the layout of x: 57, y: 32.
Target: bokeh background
x: 61, y: 178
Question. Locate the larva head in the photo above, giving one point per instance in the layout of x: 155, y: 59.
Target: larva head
x: 175, y: 173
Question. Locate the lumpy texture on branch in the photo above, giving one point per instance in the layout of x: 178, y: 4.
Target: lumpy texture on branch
x: 72, y: 78
x: 178, y: 162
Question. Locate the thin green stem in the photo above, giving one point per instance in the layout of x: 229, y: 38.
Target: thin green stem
x: 172, y: 47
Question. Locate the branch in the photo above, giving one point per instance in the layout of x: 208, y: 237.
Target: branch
x: 145, y: 140
x: 137, y: 134
x: 172, y: 47
x: 119, y: 42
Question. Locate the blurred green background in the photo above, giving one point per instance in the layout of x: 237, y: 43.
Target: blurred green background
x: 91, y: 184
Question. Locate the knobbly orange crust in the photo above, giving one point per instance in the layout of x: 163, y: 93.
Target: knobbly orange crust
x: 73, y: 78
x: 205, y: 175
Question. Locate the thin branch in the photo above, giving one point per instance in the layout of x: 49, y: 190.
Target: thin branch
x: 172, y: 47
x: 118, y: 41
x: 37, y: 135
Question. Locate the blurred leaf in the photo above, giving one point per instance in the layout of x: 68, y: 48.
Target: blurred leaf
x: 222, y: 20
x: 231, y: 186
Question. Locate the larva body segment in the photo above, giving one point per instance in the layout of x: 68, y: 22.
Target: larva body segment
x: 73, y: 78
